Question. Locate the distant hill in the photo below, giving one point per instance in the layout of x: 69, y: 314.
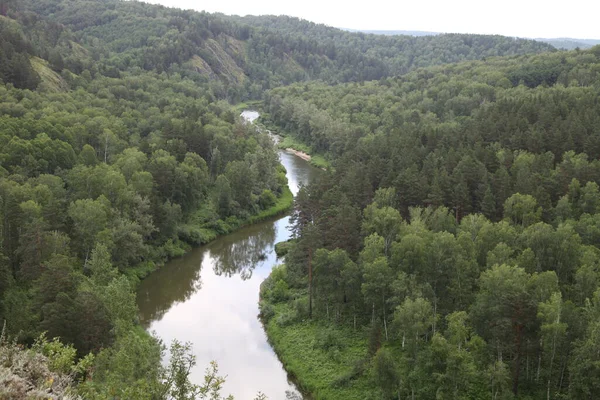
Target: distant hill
x: 240, y: 56
x: 393, y: 33
x: 570, y: 44
x: 559, y: 43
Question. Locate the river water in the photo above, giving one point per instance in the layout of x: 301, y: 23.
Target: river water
x: 209, y: 297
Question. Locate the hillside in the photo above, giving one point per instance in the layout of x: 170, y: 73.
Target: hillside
x: 394, y: 32
x: 459, y: 164
x: 455, y: 236
x: 571, y: 44
x: 247, y: 54
x: 107, y: 171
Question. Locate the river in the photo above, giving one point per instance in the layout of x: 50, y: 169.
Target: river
x: 209, y: 297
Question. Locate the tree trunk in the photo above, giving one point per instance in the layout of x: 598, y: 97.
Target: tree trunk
x: 310, y: 294
x: 385, y: 328
x: 562, y: 373
x: 517, y: 363
x: 527, y: 362
x: 552, y: 360
x: 434, y: 311
x: 373, y: 314
x: 384, y: 320
x: 537, y: 376
x: 105, y: 147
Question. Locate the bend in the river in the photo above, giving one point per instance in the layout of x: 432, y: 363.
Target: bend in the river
x: 209, y: 297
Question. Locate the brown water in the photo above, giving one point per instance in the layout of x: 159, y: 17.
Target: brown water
x: 209, y: 297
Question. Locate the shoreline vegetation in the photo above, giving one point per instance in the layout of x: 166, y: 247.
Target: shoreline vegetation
x: 286, y: 141
x: 195, y: 235
x: 294, y: 146
x: 325, y: 362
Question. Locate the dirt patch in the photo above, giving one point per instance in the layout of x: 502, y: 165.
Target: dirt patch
x: 297, y: 153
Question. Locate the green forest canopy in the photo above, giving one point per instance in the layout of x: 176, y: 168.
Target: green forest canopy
x: 462, y: 165
x: 458, y: 223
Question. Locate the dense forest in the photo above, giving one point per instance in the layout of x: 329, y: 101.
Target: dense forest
x: 454, y: 235
x: 451, y: 251
x: 105, y: 174
x: 238, y: 57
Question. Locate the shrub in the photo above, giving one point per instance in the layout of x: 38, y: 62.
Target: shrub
x: 280, y: 291
x: 301, y: 307
x: 266, y: 311
x: 286, y: 318
x: 266, y: 199
x: 326, y: 340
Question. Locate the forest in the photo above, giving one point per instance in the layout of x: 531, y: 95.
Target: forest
x: 454, y: 235
x: 450, y: 251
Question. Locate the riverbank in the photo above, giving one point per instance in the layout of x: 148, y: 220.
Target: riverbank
x: 286, y: 141
x: 294, y: 146
x: 326, y: 361
x: 220, y: 282
x: 193, y: 234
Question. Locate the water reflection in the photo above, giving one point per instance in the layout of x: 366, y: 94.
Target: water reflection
x: 233, y: 255
x: 160, y: 291
x: 209, y: 297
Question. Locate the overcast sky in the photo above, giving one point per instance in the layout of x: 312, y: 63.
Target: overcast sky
x: 523, y: 18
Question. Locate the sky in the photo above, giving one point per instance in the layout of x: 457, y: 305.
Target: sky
x: 522, y: 18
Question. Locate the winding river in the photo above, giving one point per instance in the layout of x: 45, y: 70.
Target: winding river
x: 209, y: 297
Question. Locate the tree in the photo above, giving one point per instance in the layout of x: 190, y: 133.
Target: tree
x: 384, y: 221
x: 584, y: 365
x: 502, y: 313
x: 488, y: 204
x: 377, y: 277
x: 300, y: 261
x: 328, y: 268
x: 100, y: 267
x: 89, y: 217
x: 522, y: 210
x: 386, y: 372
x: 553, y: 332
x: 32, y: 246
x: 223, y: 196
x: 414, y: 320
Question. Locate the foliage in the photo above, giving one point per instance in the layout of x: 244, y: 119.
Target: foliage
x: 452, y: 240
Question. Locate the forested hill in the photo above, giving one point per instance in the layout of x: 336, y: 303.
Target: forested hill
x: 418, y: 131
x: 119, y: 149
x: 239, y: 56
x: 107, y: 169
x: 335, y: 55
x: 458, y: 227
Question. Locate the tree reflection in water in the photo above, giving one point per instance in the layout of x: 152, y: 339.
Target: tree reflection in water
x: 242, y: 256
x: 174, y: 283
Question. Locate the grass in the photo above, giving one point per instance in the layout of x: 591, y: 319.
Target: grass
x: 322, y: 373
x: 319, y: 161
x: 50, y: 79
x: 293, y: 143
